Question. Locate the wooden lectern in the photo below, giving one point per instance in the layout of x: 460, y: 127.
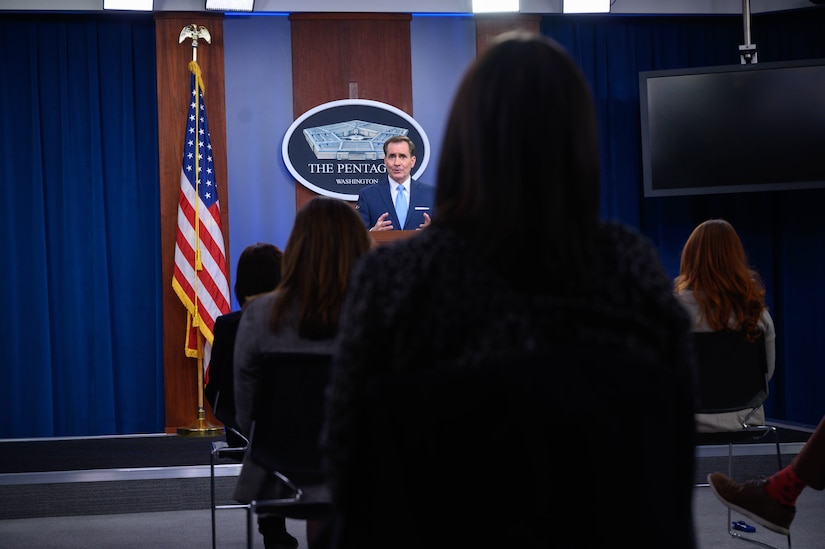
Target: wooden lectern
x: 384, y: 237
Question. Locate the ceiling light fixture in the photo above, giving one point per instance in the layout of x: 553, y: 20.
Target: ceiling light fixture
x: 230, y: 5
x: 491, y: 6
x: 130, y: 5
x: 586, y: 6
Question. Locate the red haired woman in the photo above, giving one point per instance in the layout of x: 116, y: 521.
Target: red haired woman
x: 722, y: 292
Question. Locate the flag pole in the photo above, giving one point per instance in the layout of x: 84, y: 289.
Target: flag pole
x: 200, y: 427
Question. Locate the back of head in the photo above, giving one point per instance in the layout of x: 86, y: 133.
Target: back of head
x: 519, y: 160
x: 714, y: 265
x: 259, y: 270
x: 712, y: 250
x: 327, y: 239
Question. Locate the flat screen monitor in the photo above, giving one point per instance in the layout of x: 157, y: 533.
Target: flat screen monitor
x: 733, y: 128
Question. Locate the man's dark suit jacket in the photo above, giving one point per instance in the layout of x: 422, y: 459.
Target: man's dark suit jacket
x: 376, y: 200
x: 221, y: 369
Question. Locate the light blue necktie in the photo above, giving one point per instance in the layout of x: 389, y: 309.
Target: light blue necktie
x: 401, y: 206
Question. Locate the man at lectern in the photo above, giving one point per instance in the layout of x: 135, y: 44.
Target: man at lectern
x: 400, y: 202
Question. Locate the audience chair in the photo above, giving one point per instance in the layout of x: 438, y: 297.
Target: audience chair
x: 731, y: 376
x: 222, y: 450
x: 286, y: 429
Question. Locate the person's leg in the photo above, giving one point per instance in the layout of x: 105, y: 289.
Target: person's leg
x: 274, y: 532
x: 772, y: 502
x: 313, y: 527
x: 273, y: 528
x: 806, y: 469
x: 752, y: 500
x: 809, y: 463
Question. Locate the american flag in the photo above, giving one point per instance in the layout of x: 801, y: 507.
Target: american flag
x: 200, y: 275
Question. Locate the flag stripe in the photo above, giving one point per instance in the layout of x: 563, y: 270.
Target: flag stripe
x: 209, y: 305
x: 211, y: 278
x: 209, y: 220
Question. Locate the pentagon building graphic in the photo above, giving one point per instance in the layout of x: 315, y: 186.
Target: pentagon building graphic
x: 353, y: 140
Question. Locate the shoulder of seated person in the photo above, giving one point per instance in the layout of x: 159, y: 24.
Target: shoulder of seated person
x: 251, y: 298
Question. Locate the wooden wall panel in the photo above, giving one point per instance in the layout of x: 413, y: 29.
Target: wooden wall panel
x: 173, y: 76
x: 349, y: 56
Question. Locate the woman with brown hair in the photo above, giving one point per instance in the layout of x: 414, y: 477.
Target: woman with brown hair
x: 722, y: 292
x: 300, y: 315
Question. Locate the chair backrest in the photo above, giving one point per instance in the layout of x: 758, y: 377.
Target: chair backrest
x: 730, y: 371
x: 289, y: 412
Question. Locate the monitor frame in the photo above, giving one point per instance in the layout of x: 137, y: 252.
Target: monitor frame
x: 778, y: 91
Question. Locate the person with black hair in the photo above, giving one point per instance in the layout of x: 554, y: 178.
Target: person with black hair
x: 258, y: 271
x: 516, y: 269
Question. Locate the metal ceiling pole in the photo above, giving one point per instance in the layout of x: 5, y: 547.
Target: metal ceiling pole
x: 747, y: 51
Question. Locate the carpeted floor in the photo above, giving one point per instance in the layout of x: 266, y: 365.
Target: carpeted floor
x: 152, y: 473
x: 170, y: 506
x: 191, y: 529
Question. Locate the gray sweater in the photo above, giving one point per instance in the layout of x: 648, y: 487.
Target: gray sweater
x: 254, y: 336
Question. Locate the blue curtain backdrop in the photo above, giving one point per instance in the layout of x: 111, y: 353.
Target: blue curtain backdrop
x: 80, y: 224
x: 783, y: 231
x: 81, y: 288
